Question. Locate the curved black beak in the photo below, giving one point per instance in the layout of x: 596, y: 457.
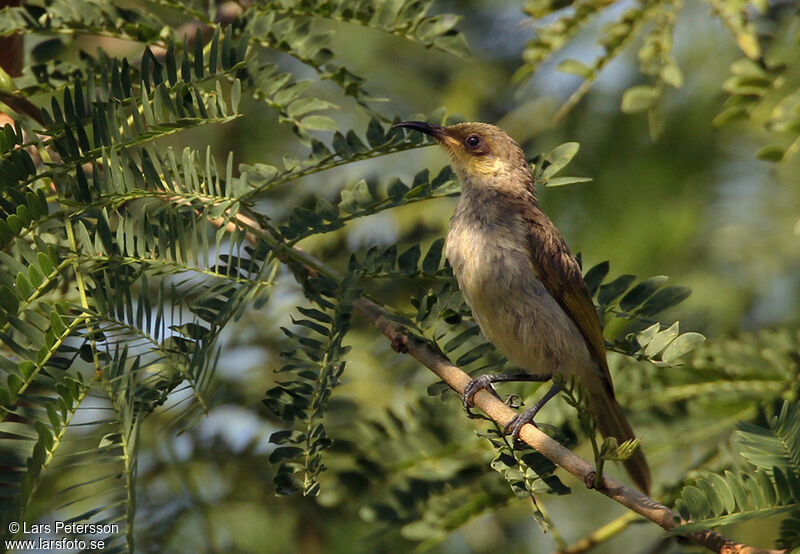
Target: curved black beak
x: 436, y: 131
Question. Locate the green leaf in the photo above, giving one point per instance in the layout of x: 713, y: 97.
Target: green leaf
x: 24, y: 288
x: 612, y: 450
x: 641, y: 292
x: 361, y: 193
x: 594, y: 277
x: 375, y: 133
x: 326, y: 210
x: 684, y: 344
x: 45, y: 263
x: 356, y: 197
x: 729, y: 114
x: 396, y: 190
x: 559, y: 157
x: 460, y: 338
x: 610, y: 291
x: 575, y: 67
x: 639, y: 98
x: 431, y: 27
x: 319, y: 123
x: 56, y: 323
x: 432, y: 260
x: 236, y: 95
x: 284, y: 453
x: 671, y: 74
x: 723, y: 492
x: 6, y: 82
x: 302, y: 106
x: 408, y: 261
x: 771, y: 153
x: 644, y: 337
x: 661, y: 340
x: 8, y: 300
x: 664, y: 299
x: 474, y: 354
x: 561, y: 181
x: 776, y: 446
x: 454, y: 43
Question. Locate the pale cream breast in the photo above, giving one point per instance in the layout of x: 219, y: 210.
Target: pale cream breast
x: 488, y: 252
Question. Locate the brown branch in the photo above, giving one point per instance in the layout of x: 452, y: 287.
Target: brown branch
x: 12, y: 47
x: 405, y: 341
x: 12, y: 56
x: 554, y: 451
x: 22, y: 106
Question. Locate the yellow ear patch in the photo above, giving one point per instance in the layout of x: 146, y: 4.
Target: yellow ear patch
x: 471, y: 164
x: 484, y: 165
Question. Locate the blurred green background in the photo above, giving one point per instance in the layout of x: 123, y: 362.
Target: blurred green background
x: 694, y: 204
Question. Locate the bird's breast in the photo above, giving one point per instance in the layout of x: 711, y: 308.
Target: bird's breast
x: 492, y: 264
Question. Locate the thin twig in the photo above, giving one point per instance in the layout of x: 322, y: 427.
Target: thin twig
x: 600, y: 535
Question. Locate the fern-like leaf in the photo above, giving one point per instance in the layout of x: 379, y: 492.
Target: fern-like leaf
x: 772, y: 489
x: 314, y: 369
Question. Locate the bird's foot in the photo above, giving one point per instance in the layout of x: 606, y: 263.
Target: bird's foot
x: 516, y: 424
x: 484, y: 382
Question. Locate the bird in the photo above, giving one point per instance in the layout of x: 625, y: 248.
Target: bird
x: 523, y: 285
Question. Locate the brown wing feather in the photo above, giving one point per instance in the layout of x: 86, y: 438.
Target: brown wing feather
x: 559, y: 272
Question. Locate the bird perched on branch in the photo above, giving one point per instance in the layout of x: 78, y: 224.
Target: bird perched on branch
x: 522, y: 283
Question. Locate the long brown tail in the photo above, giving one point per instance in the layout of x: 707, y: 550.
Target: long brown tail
x: 612, y: 423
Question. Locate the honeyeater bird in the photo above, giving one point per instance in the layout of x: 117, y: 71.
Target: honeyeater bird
x: 522, y: 283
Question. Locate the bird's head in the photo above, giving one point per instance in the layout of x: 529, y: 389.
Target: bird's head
x: 482, y: 155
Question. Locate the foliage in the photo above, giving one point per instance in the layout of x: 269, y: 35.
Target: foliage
x: 119, y: 271
x: 134, y: 264
x: 763, y: 84
x: 772, y: 488
x: 414, y: 483
x: 316, y: 365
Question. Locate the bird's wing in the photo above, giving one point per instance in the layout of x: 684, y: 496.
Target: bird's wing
x: 559, y: 272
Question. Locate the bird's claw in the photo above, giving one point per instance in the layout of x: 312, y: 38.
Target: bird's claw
x: 483, y: 382
x: 514, y: 427
x: 518, y: 421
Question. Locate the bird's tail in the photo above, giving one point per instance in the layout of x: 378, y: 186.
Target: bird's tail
x: 612, y: 423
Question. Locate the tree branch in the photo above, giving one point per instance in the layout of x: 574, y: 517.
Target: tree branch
x: 405, y: 341
x: 554, y: 451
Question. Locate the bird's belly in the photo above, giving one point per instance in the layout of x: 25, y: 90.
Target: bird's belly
x: 514, y: 309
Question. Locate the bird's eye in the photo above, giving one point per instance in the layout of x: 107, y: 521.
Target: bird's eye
x: 472, y: 141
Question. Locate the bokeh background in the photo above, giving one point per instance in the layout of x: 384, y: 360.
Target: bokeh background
x: 693, y: 203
